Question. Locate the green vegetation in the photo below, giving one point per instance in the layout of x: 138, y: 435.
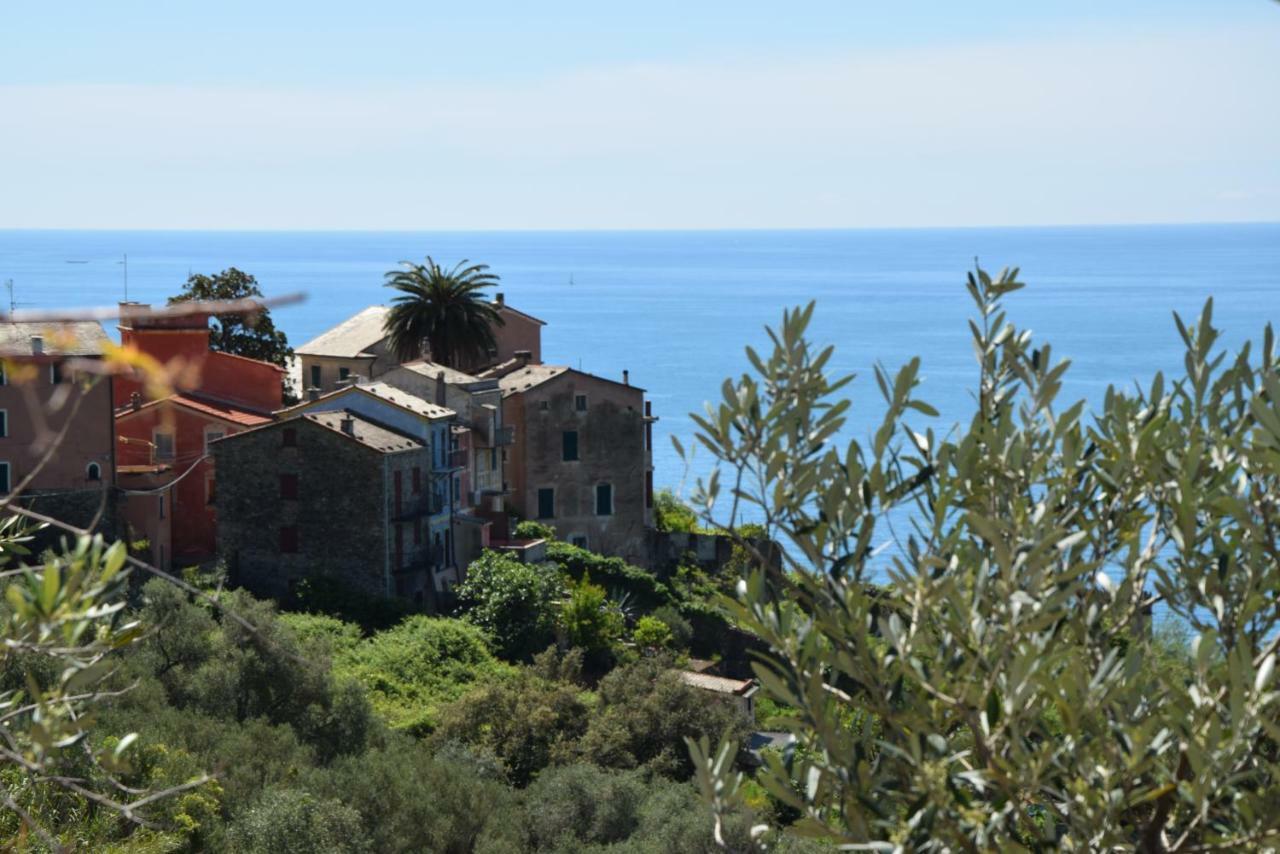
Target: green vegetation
x: 1001, y: 687
x: 441, y: 312
x: 513, y: 602
x: 253, y: 335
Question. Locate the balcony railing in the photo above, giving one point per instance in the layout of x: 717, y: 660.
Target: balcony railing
x: 489, y: 481
x: 485, y: 436
x: 453, y: 460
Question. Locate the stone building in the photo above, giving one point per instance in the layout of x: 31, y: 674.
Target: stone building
x: 331, y: 493
x: 37, y: 370
x: 441, y: 484
x: 582, y: 457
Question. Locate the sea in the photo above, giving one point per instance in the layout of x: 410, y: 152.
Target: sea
x: 676, y: 308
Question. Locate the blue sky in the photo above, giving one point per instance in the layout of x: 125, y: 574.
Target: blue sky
x: 657, y: 115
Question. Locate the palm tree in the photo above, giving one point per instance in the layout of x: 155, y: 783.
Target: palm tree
x: 442, y: 311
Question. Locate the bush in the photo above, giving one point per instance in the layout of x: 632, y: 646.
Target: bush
x: 513, y: 602
x: 645, y: 712
x: 531, y: 530
x: 323, y: 634
x: 328, y: 595
x: 652, y: 633
x: 411, y: 670
x: 614, y: 574
x: 590, y: 621
x: 527, y: 723
x: 673, y: 515
x: 681, y: 630
x: 287, y: 821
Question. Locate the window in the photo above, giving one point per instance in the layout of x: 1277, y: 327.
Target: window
x: 417, y: 531
x: 55, y: 372
x: 579, y: 540
x: 93, y: 472
x: 580, y: 402
x: 4, y: 478
x: 648, y: 488
x: 546, y: 503
x: 604, y: 499
x: 315, y: 376
x: 544, y: 405
x: 163, y: 443
x: 161, y: 506
x: 493, y: 459
x: 343, y: 373
x: 395, y: 476
x: 4, y: 378
x: 4, y: 423
x: 417, y: 480
x: 210, y: 490
x: 289, y: 437
x: 289, y: 540
x: 212, y: 436
x: 569, y: 444
x: 399, y: 546
x: 289, y: 487
x: 457, y: 490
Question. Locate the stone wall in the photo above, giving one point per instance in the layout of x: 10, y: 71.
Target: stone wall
x: 339, y: 513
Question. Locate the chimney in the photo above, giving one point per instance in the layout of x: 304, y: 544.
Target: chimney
x: 129, y: 311
x: 441, y: 397
x: 135, y: 400
x: 500, y: 298
x: 523, y: 356
x: 626, y: 377
x: 37, y: 344
x: 313, y: 393
x: 348, y: 425
x: 648, y: 408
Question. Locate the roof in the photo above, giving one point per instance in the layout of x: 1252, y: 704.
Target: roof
x: 719, y: 684
x: 453, y: 376
x: 534, y: 375
x: 206, y: 406
x: 389, y: 393
x: 352, y: 337
x: 502, y: 306
x: 72, y: 338
x: 369, y: 433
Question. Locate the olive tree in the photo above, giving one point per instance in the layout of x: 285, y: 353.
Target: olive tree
x: 963, y: 620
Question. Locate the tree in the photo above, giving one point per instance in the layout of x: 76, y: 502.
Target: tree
x: 441, y: 311
x: 1000, y: 685
x: 513, y: 602
x: 589, y: 619
x: 253, y: 336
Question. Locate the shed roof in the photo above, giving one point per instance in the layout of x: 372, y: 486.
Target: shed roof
x: 352, y: 337
x: 719, y: 684
x: 71, y: 338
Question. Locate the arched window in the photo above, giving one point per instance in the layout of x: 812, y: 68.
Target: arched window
x: 94, y: 471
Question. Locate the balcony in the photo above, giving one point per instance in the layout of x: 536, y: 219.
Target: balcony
x: 489, y: 482
x: 427, y: 503
x: 453, y: 460
x: 486, y: 436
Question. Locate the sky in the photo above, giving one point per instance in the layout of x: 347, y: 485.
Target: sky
x: 582, y: 115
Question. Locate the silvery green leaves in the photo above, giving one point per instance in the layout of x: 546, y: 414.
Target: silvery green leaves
x: 1006, y: 675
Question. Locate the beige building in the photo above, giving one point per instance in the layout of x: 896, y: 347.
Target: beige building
x: 357, y: 347
x: 582, y: 457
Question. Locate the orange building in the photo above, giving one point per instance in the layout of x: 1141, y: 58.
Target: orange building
x: 163, y: 463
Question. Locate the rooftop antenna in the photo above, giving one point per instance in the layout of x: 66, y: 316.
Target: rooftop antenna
x: 8, y: 284
x: 125, y: 262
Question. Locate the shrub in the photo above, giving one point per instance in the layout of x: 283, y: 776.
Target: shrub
x: 672, y: 514
x: 652, y: 633
x: 681, y: 630
x: 589, y: 620
x: 513, y: 602
x: 614, y: 574
x: 288, y: 821
x: 533, y: 530
x: 328, y: 595
x: 411, y: 670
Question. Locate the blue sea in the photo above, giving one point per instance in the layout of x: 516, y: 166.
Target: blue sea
x: 677, y: 308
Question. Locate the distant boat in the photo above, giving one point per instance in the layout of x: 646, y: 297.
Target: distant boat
x: 571, y: 280
x: 77, y: 262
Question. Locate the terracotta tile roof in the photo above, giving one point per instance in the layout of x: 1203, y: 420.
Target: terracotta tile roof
x: 350, y: 338
x: 377, y: 436
x: 206, y: 406
x: 75, y: 338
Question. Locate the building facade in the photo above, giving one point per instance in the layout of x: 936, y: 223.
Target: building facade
x: 582, y: 457
x: 56, y: 420
x: 164, y: 467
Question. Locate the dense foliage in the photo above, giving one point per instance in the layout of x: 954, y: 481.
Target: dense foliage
x: 441, y: 312
x: 1002, y: 686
